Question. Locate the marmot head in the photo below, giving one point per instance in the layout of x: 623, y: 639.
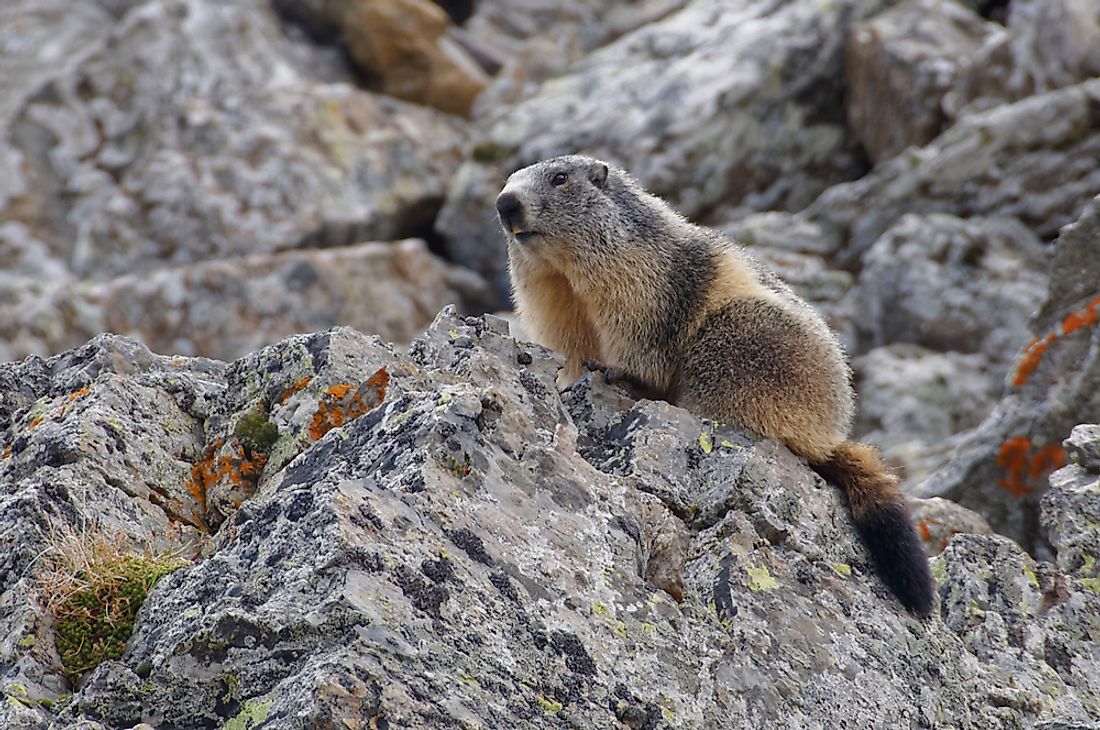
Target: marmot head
x: 565, y: 202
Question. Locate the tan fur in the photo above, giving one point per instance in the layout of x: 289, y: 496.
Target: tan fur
x: 733, y: 279
x: 555, y: 316
x: 870, y: 485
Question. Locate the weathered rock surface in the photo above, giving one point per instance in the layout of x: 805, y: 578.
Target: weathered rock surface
x: 900, y: 64
x: 1001, y: 467
x: 952, y: 285
x: 1033, y: 160
x: 228, y: 307
x: 1045, y: 45
x: 735, y: 104
x: 189, y: 132
x: 469, y: 548
x: 181, y: 133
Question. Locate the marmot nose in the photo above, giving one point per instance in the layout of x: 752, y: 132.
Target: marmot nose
x: 510, y: 209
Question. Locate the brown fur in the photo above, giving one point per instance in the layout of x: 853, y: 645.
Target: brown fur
x: 869, y: 483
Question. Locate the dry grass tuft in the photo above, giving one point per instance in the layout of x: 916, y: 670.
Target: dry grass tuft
x: 93, y: 585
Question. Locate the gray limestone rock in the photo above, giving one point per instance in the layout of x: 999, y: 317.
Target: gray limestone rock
x: 228, y: 307
x: 1033, y: 160
x: 179, y: 133
x: 465, y: 546
x: 1045, y: 45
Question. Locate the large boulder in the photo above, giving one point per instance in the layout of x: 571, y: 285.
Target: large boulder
x: 1001, y: 467
x: 441, y: 539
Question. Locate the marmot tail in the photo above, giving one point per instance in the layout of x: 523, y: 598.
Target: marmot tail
x: 882, y: 519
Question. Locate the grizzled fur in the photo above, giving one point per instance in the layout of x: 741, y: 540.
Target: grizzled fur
x: 607, y: 273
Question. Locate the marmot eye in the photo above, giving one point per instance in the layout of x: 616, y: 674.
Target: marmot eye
x: 559, y: 179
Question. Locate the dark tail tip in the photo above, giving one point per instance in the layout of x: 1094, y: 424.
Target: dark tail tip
x: 899, y: 558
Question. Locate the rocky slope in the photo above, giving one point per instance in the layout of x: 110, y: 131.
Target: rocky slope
x: 437, y: 538
x: 470, y: 549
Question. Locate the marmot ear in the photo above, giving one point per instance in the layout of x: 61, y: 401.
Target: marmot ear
x: 598, y: 174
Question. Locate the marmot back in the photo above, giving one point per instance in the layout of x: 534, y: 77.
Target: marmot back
x: 608, y: 273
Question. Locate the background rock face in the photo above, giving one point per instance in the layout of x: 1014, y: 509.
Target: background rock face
x: 472, y: 548
x: 438, y: 539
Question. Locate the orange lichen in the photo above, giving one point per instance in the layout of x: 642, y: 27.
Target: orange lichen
x: 241, y: 468
x: 1024, y: 468
x: 295, y: 387
x: 1033, y: 353
x: 72, y: 397
x: 1049, y: 458
x: 35, y: 423
x: 925, y: 533
x: 1013, y: 458
x: 7, y: 452
x: 1035, y: 350
x: 1085, y: 318
x: 344, y: 402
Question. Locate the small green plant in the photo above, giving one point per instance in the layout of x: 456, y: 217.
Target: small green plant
x: 93, y: 586
x: 256, y: 431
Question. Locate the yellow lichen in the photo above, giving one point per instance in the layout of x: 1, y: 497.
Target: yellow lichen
x: 760, y: 579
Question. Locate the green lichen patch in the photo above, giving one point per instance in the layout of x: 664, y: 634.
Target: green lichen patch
x: 842, y: 569
x: 760, y: 579
x: 253, y: 713
x: 256, y: 431
x: 94, y: 588
x: 551, y: 707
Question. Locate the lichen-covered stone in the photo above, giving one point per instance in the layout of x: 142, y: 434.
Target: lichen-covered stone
x: 1001, y: 467
x: 475, y: 548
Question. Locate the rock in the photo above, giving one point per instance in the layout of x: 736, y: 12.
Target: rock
x: 900, y: 64
x: 405, y: 48
x: 465, y: 545
x: 538, y: 40
x: 404, y: 44
x: 390, y: 288
x: 939, y: 520
x: 1046, y: 45
x: 1033, y: 160
x: 248, y: 156
x: 952, y: 284
x: 1001, y: 467
x: 183, y: 137
x: 913, y: 401
x: 229, y: 307
x: 729, y: 104
x: 1071, y: 508
x: 1083, y: 446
